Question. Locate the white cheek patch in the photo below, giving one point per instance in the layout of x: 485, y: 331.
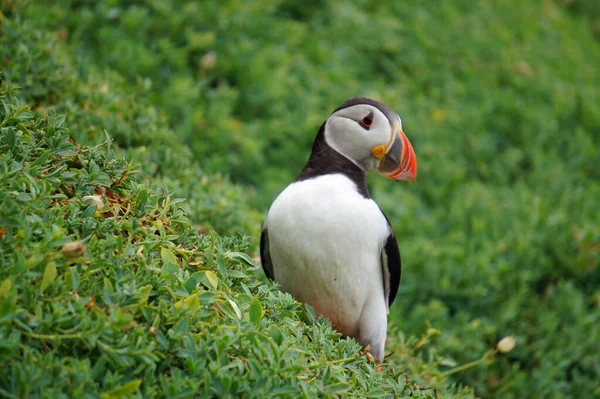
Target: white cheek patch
x: 344, y: 134
x: 345, y: 144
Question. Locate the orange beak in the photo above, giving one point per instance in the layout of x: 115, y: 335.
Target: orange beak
x: 400, y: 161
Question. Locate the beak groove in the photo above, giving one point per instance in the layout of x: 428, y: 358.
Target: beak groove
x: 400, y: 161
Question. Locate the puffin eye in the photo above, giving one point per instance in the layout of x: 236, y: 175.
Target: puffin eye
x: 367, y: 121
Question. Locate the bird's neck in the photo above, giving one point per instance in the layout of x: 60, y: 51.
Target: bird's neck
x: 325, y: 160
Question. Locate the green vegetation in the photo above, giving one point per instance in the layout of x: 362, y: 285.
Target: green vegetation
x: 145, y: 103
x: 152, y: 308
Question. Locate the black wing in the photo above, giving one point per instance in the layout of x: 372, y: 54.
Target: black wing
x: 392, y: 265
x: 265, y: 256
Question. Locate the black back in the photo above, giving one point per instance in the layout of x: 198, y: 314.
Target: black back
x: 394, y: 262
x: 265, y: 255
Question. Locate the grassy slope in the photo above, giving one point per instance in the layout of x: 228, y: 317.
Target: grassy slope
x: 153, y: 308
x: 499, y: 235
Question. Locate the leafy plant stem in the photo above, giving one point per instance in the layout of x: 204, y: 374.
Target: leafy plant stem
x: 469, y: 365
x: 51, y: 337
x: 332, y: 362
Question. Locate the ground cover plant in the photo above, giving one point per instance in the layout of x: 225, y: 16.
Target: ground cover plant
x: 108, y: 289
x: 500, y: 234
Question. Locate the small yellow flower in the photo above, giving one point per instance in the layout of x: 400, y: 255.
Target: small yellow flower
x: 506, y: 344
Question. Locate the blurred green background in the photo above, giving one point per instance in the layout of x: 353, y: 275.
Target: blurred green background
x: 500, y: 234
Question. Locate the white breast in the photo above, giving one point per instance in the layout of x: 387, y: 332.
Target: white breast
x: 325, y: 243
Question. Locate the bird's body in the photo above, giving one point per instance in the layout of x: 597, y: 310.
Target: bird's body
x: 334, y: 237
x: 325, y: 241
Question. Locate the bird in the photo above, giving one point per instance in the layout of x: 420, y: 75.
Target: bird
x: 325, y: 241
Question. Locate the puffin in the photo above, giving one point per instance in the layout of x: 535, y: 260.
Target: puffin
x: 325, y: 241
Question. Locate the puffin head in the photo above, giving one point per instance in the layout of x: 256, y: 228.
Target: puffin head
x: 370, y: 134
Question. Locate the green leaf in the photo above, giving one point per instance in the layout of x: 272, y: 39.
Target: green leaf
x: 144, y: 294
x: 326, y: 375
x: 48, y: 277
x: 337, y: 388
x: 241, y: 257
x: 24, y: 115
x: 401, y: 384
x: 122, y: 391
x: 166, y: 207
x: 276, y: 334
x: 167, y: 256
x: 74, y: 278
x: 192, y: 302
x: 237, y: 274
x: 256, y: 312
x: 284, y: 390
x: 206, y: 297
x: 221, y: 268
x: 170, y: 268
x: 38, y: 311
x: 190, y: 285
x: 141, y: 199
x: 89, y: 211
x: 181, y: 327
x: 376, y: 393
x: 211, y: 279
x: 24, y: 197
x: 5, y: 287
x: 236, y: 309
x: 310, y: 312
x: 102, y: 179
x: 11, y: 137
x: 59, y: 120
x: 42, y: 158
x: 170, y: 264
